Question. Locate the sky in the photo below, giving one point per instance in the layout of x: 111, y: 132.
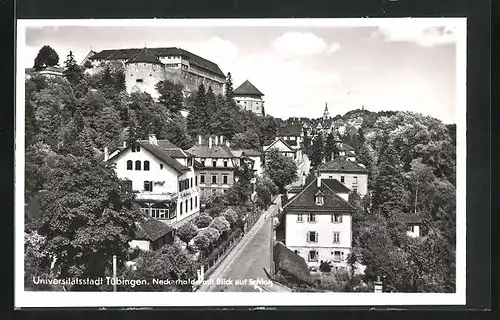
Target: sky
x: 399, y: 66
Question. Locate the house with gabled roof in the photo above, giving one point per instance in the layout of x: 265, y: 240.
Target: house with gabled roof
x: 248, y: 97
x: 318, y: 223
x: 413, y: 223
x: 216, y: 172
x: 350, y: 173
x: 151, y: 234
x: 283, y: 148
x: 163, y: 177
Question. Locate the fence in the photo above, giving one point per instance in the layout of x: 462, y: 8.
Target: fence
x: 212, y: 261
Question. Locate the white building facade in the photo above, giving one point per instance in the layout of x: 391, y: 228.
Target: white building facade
x: 351, y: 174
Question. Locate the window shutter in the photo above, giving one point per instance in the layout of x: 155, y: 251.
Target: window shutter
x: 307, y: 237
x: 316, y: 237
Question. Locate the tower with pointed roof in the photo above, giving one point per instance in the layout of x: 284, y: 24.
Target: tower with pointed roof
x: 248, y: 97
x: 326, y: 114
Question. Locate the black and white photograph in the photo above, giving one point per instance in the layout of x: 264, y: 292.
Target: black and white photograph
x: 234, y: 162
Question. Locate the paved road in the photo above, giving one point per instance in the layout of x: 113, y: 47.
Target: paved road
x: 247, y: 260
x: 303, y: 169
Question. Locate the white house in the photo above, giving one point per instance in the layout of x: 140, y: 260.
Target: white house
x: 350, y: 173
x: 292, y: 134
x: 163, y: 175
x: 318, y: 223
x: 413, y: 222
x: 282, y: 148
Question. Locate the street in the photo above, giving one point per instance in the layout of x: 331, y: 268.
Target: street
x: 247, y: 260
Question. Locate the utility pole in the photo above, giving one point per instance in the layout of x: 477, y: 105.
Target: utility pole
x: 114, y: 273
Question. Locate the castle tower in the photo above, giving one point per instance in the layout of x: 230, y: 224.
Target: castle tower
x: 326, y: 114
x: 248, y: 97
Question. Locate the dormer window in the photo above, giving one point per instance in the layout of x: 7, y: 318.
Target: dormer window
x: 214, y: 163
x: 136, y: 148
x: 319, y: 200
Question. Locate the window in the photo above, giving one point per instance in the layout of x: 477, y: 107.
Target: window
x: 214, y: 163
x: 129, y: 165
x: 224, y: 191
x: 355, y: 180
x: 202, y: 178
x: 237, y: 101
x: 300, y: 217
x: 180, y: 208
x: 203, y: 162
x: 159, y: 213
x: 354, y: 189
x: 313, y: 255
x: 336, y: 218
x: 214, y: 179
x: 148, y: 186
x: 312, y: 236
x: 336, y: 237
x: 146, y: 165
x: 196, y: 181
x: 191, y: 204
x: 196, y: 202
x: 225, y: 163
x: 319, y: 200
x: 342, y: 179
x: 224, y: 179
x: 136, y: 148
x: 296, y: 251
x: 191, y: 182
x: 138, y: 80
x: 311, y: 217
x: 411, y: 228
x: 330, y: 177
x: 186, y: 204
x: 137, y: 165
x: 161, y: 166
x: 336, y: 256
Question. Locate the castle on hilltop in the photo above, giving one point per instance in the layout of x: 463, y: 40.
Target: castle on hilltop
x: 146, y: 67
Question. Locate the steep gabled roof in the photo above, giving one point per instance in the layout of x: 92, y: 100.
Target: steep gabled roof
x: 247, y: 88
x: 290, y: 262
x: 151, y: 229
x: 335, y: 185
x: 269, y: 147
x: 144, y: 56
x: 305, y: 200
x: 341, y: 165
x: 163, y: 155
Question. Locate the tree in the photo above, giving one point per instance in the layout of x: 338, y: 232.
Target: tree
x: 247, y: 140
x: 221, y: 224
x: 187, y: 232
x: 47, y: 57
x: 331, y: 149
x: 265, y: 189
x: 231, y: 216
x: 89, y: 216
x: 73, y: 72
x: 36, y: 261
x: 229, y: 86
x: 317, y: 152
x: 168, y: 263
x: 203, y: 220
x: 171, y: 96
x: 197, y: 117
x: 281, y: 170
x: 202, y: 241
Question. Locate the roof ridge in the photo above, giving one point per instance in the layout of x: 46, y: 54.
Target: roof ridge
x: 298, y: 194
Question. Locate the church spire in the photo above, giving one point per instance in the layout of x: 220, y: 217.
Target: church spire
x: 326, y: 114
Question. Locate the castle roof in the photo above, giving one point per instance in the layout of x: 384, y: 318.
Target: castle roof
x: 142, y: 57
x: 247, y: 88
x: 127, y: 54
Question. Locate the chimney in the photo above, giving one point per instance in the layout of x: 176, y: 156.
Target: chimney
x: 210, y: 142
x: 216, y: 140
x: 124, y: 144
x: 199, y: 139
x: 152, y: 139
x: 318, y: 181
x: 221, y: 139
x: 303, y: 179
x: 228, y: 144
x: 106, y: 154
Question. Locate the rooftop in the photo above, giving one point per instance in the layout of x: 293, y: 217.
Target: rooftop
x: 151, y: 229
x: 342, y: 165
x: 290, y: 130
x: 336, y: 185
x: 143, y: 56
x: 127, y: 54
x: 290, y: 262
x: 247, y: 88
x: 164, y: 155
x: 217, y: 151
x: 305, y: 199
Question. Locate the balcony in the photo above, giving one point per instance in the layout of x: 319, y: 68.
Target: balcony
x: 151, y: 196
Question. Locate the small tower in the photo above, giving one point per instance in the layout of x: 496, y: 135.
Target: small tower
x: 326, y: 114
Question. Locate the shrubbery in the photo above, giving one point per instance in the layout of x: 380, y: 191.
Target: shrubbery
x: 203, y: 221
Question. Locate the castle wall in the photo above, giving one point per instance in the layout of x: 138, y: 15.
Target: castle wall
x: 143, y: 77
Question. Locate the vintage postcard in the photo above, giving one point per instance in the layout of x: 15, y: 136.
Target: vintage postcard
x: 240, y: 162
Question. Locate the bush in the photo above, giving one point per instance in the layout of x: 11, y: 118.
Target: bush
x: 220, y: 223
x: 213, y: 236
x: 231, y: 216
x: 325, y: 266
x: 202, y: 242
x: 187, y: 232
x: 203, y: 221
